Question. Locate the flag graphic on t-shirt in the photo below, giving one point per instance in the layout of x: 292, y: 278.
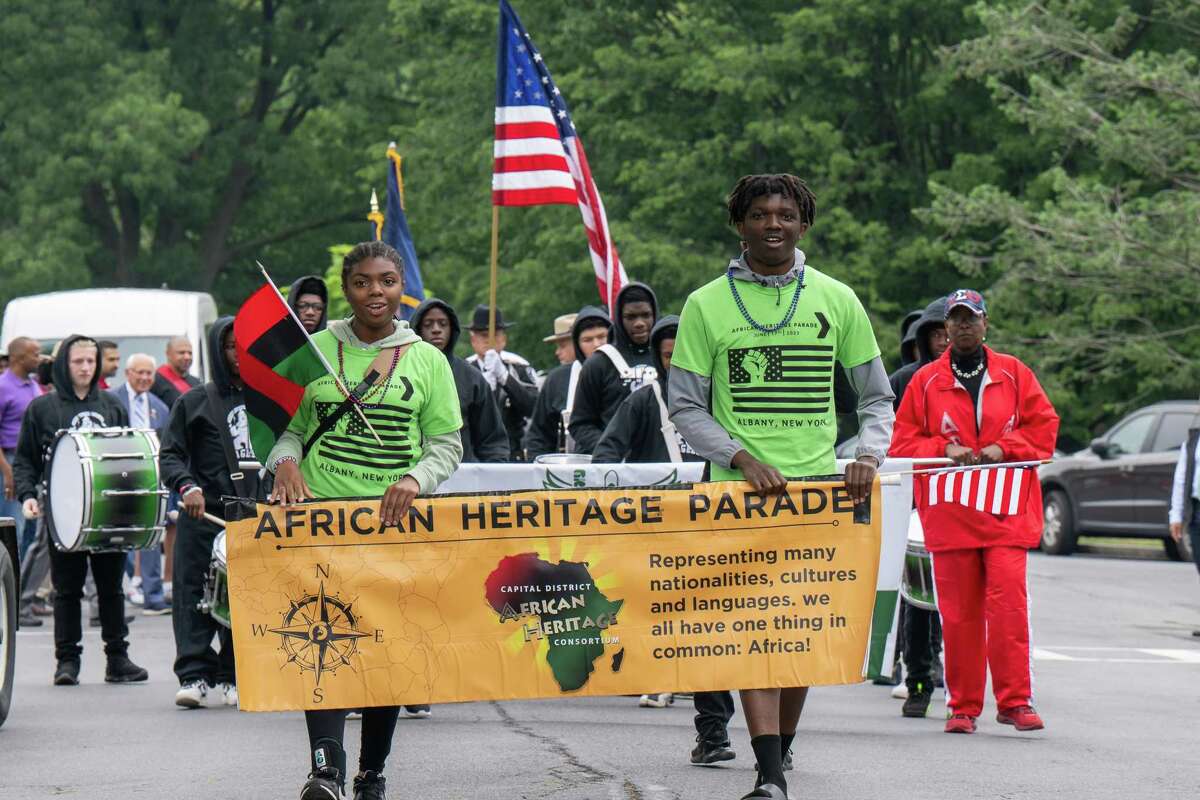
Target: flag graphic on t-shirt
x: 1001, y: 491
x: 350, y: 442
x: 781, y: 379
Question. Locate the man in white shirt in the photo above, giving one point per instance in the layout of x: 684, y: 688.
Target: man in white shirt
x: 145, y: 411
x: 1185, y: 497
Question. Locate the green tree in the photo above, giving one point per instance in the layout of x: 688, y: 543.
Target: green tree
x: 1093, y: 262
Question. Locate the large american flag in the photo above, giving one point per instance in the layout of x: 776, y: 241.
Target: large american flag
x: 1002, y: 491
x: 539, y: 159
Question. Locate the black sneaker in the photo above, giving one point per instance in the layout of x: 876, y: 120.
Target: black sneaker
x: 917, y: 704
x: 766, y: 791
x: 707, y: 753
x: 788, y: 766
x: 324, y: 784
x: 29, y: 621
x: 369, y: 785
x: 67, y: 673
x: 121, y: 670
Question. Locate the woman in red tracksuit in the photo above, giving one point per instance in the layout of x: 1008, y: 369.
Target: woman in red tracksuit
x: 976, y: 406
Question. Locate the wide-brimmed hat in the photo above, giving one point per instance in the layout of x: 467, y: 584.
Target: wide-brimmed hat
x: 562, y: 328
x: 479, y: 319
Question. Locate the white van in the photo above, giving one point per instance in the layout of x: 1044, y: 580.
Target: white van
x: 138, y: 320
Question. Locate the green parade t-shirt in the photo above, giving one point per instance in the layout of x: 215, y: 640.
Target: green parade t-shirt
x: 773, y: 392
x: 418, y: 402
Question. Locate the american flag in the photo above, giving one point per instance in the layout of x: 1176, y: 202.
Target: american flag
x: 1001, y: 491
x: 539, y: 159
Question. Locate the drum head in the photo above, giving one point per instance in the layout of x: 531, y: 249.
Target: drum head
x: 916, y: 532
x: 218, y: 552
x: 562, y: 459
x: 66, y: 492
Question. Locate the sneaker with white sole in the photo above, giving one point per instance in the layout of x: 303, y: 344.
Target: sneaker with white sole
x: 900, y: 692
x: 417, y: 712
x: 192, y: 694
x: 660, y: 700
x: 227, y: 693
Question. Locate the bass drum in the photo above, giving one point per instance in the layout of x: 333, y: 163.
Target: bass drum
x: 216, y: 584
x: 104, y: 491
x: 916, y: 583
x: 8, y: 613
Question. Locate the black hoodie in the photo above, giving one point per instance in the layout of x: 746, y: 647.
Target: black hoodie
x: 193, y: 443
x: 484, y: 439
x: 634, y: 434
x: 601, y: 387
x: 933, y: 317
x: 310, y: 284
x: 59, y: 410
x: 545, y: 433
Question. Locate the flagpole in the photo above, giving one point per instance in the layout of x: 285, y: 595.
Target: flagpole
x: 968, y: 468
x: 324, y: 362
x: 495, y: 272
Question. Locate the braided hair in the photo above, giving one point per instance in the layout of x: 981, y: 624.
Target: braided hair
x: 749, y: 187
x: 365, y: 251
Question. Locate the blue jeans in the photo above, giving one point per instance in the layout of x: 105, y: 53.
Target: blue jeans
x: 12, y: 508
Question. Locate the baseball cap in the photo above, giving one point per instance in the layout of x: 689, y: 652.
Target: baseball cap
x: 968, y: 298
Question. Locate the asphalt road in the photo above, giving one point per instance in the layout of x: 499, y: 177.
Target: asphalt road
x: 1117, y: 680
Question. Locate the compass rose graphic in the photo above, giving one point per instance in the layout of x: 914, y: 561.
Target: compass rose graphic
x: 319, y: 633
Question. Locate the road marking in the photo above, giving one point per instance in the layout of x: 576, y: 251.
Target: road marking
x: 1116, y: 655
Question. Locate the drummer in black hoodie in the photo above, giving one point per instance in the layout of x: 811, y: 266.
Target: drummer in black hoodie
x: 547, y: 433
x: 604, y: 383
x: 205, y: 421
x: 640, y: 431
x: 76, y: 403
x: 484, y: 438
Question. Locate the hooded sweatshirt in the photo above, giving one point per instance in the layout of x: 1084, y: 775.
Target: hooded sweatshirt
x: 484, y: 439
x: 932, y: 318
x: 310, y: 284
x: 415, y: 409
x: 635, y: 434
x: 59, y: 410
x: 546, y: 433
x: 193, y: 444
x: 601, y: 386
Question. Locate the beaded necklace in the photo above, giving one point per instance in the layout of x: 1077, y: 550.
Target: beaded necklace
x: 737, y: 298
x: 379, y: 389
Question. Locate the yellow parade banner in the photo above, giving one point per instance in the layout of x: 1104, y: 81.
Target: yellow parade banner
x: 548, y: 594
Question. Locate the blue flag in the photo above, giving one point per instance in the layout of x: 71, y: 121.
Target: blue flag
x: 394, y: 231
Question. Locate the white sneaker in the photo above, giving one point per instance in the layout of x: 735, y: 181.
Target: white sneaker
x: 353, y: 715
x: 192, y: 694
x: 661, y: 700
x: 136, y: 597
x: 900, y: 692
x: 227, y: 693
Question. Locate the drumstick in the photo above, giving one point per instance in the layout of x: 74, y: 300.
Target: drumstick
x: 214, y: 519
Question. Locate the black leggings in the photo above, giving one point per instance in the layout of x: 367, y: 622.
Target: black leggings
x: 378, y: 725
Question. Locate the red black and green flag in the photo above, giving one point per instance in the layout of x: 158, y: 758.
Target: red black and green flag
x: 276, y: 362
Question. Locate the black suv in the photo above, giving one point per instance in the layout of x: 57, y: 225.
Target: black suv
x: 1121, y: 485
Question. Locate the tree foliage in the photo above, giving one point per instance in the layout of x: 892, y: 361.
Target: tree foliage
x: 1045, y: 152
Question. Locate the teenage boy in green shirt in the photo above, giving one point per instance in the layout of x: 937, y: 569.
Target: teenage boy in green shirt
x: 752, y: 390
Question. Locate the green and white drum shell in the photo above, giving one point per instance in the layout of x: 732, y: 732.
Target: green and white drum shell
x: 916, y: 584
x: 104, y: 491
x: 216, y: 587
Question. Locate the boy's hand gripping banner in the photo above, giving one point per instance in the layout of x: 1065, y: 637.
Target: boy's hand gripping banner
x: 548, y: 594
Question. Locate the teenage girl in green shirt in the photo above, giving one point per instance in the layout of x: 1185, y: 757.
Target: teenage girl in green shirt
x: 413, y: 406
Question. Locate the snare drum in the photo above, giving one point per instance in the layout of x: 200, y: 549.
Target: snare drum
x: 104, y: 492
x: 916, y: 585
x: 216, y: 584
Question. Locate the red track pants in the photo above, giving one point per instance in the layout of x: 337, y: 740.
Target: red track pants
x: 984, y: 604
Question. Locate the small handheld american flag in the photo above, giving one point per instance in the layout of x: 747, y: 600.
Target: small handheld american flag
x: 1002, y: 491
x: 539, y: 158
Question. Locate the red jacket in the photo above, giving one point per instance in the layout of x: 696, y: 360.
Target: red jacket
x: 1015, y: 414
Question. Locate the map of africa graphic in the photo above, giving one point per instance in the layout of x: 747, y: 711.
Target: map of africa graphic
x: 559, y: 603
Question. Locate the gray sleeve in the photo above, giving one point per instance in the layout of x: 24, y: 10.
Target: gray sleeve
x: 441, y: 459
x: 288, y: 444
x: 875, y: 413
x: 688, y: 406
